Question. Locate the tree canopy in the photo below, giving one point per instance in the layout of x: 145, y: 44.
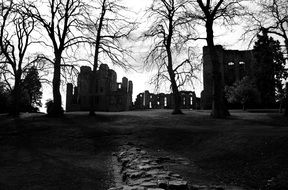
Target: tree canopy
x: 243, y: 92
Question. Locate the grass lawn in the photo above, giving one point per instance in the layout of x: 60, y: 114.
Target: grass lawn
x: 249, y: 150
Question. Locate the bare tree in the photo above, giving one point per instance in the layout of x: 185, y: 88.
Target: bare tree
x: 209, y: 12
x: 15, y: 38
x: 62, y: 24
x: 185, y: 71
x: 107, y: 30
x: 168, y: 33
x: 272, y: 16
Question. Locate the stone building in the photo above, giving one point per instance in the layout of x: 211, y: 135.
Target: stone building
x: 234, y: 65
x: 147, y: 100
x: 108, y: 95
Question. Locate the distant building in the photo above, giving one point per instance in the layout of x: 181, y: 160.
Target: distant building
x: 147, y: 100
x: 234, y: 65
x: 108, y: 95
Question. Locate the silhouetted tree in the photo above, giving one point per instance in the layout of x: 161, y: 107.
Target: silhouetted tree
x: 269, y: 68
x: 15, y: 38
x: 209, y: 12
x: 243, y: 92
x: 271, y: 15
x: 168, y: 33
x: 106, y: 33
x: 32, y: 86
x: 264, y: 70
x: 61, y: 20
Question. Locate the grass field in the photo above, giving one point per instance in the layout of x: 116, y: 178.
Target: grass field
x: 249, y: 150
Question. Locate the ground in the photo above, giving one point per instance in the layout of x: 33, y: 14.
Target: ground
x: 75, y: 152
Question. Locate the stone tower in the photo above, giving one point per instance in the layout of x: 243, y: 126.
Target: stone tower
x: 234, y: 65
x: 106, y: 94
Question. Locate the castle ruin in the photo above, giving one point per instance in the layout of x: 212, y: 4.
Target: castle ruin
x: 234, y: 65
x: 108, y: 95
x: 147, y: 100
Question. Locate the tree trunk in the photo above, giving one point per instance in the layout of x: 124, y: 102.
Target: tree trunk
x: 176, y: 95
x: 57, y: 100
x: 16, y: 96
x: 219, y: 105
x: 243, y: 107
x: 286, y: 44
x: 286, y: 100
x: 96, y: 57
x: 286, y: 86
x: 177, y: 98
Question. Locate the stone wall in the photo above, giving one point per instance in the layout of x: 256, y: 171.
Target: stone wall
x: 234, y: 65
x: 107, y: 94
x: 135, y: 169
x: 147, y: 100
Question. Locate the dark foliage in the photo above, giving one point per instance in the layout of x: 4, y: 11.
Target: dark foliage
x: 3, y: 98
x: 32, y: 87
x: 243, y: 92
x: 269, y: 69
x: 51, y: 108
x: 29, y: 96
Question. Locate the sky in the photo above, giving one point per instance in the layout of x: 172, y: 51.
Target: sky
x: 141, y: 77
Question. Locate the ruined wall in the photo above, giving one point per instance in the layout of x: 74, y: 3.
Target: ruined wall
x: 83, y: 83
x: 235, y: 65
x: 69, y: 96
x: 149, y: 100
x: 107, y: 94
